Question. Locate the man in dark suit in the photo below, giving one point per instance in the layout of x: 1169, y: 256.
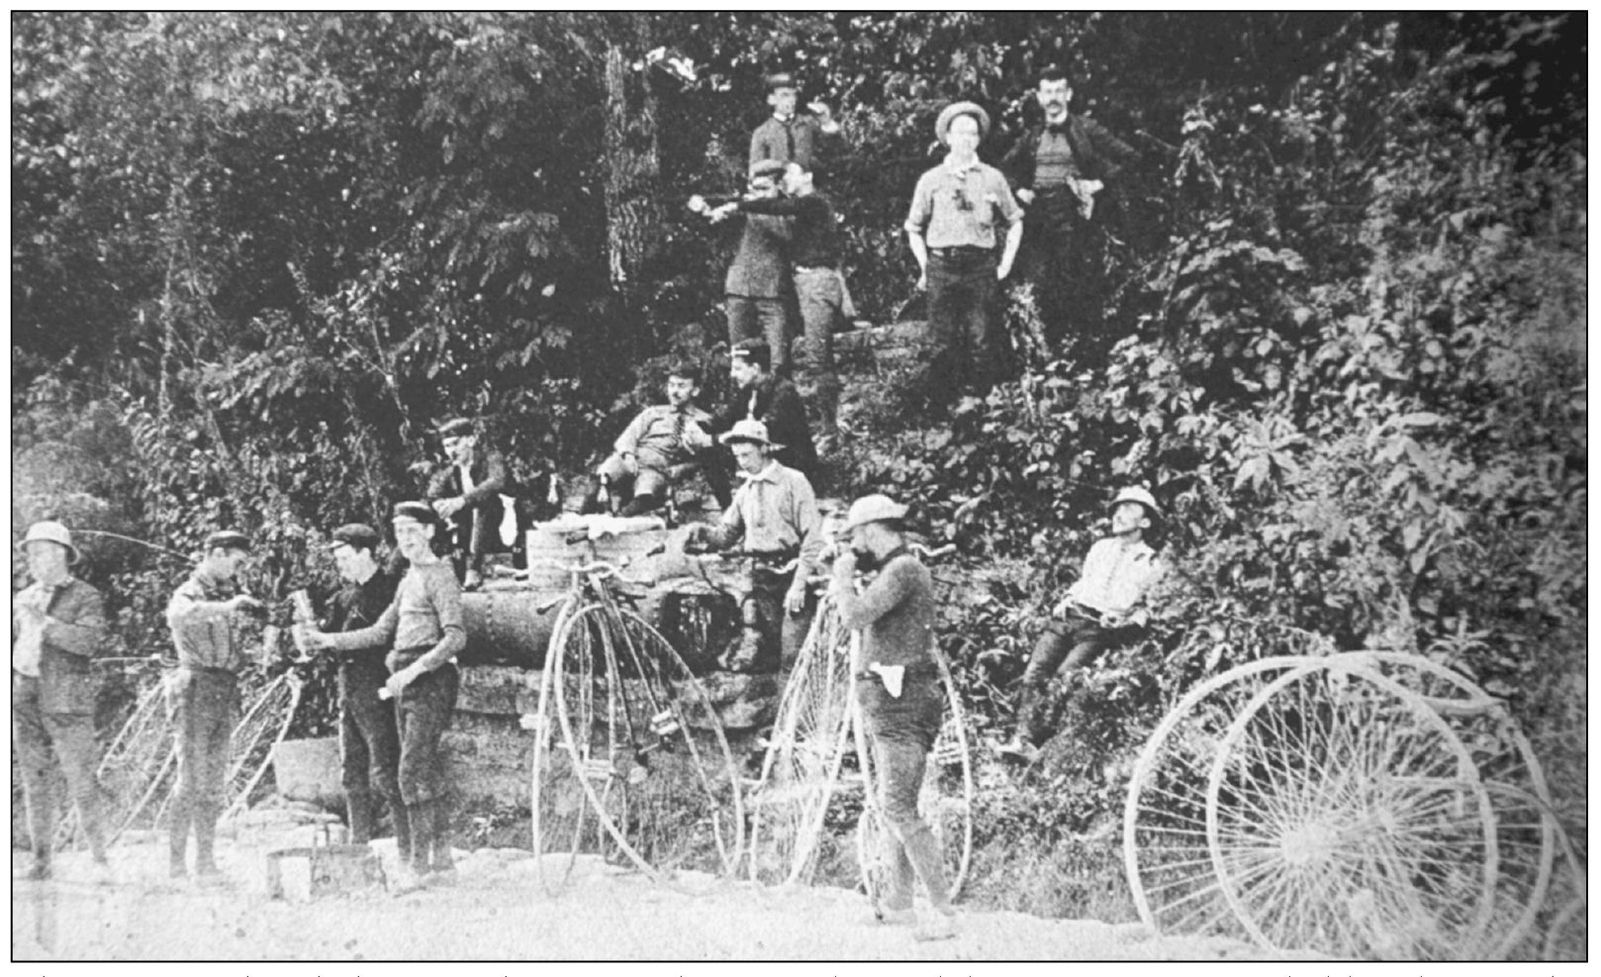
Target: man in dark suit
x: 761, y: 395
x: 1057, y: 168
x: 466, y: 495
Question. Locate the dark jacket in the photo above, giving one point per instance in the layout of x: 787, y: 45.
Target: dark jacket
x: 816, y: 239
x: 776, y: 403
x: 475, y: 530
x: 1098, y: 154
x: 75, y: 631
x: 357, y: 606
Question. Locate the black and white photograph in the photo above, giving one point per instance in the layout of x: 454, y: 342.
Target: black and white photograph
x: 825, y: 487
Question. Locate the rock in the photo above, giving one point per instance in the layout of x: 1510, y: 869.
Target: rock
x: 743, y: 701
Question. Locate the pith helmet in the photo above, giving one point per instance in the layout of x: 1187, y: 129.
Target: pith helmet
x: 50, y: 531
x: 873, y: 508
x: 1135, y: 493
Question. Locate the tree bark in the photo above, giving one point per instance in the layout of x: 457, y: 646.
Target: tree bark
x: 633, y: 153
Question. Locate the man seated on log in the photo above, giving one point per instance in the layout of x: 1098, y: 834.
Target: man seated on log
x: 467, y: 496
x: 761, y: 395
x: 662, y: 445
x: 775, y: 520
x: 1103, y: 609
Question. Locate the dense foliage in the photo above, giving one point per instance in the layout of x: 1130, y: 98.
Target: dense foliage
x: 254, y: 255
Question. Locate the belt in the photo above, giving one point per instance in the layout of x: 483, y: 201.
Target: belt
x: 960, y: 250
x: 208, y: 670
x: 808, y: 269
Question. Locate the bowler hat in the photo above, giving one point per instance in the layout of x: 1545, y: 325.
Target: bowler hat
x: 873, y: 508
x: 417, y: 512
x: 456, y: 427
x: 942, y: 125
x: 748, y: 430
x: 357, y: 535
x: 50, y: 531
x: 227, y: 539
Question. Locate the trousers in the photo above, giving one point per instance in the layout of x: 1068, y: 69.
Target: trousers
x: 369, y: 743
x: 204, y: 708
x: 46, y: 742
x: 902, y: 733
x: 961, y: 321
x: 422, y: 713
x: 1063, y: 647
x: 751, y: 317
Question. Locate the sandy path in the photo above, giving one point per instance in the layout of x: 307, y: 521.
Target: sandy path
x: 498, y: 909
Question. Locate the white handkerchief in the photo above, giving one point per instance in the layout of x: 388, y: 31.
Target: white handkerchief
x: 892, y: 675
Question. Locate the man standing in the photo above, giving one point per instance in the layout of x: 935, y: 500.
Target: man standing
x: 467, y: 496
x: 57, y: 624
x: 203, y: 694
x: 757, y: 288
x: 662, y: 445
x: 369, y: 746
x: 898, y: 688
x: 790, y: 138
x: 951, y: 230
x: 775, y: 520
x: 759, y: 395
x: 1057, y: 168
x: 425, y: 630
x: 1103, y: 609
x: 816, y: 251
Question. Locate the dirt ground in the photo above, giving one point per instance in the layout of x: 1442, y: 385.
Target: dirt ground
x: 498, y: 909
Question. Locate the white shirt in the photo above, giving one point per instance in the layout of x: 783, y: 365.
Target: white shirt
x: 29, y: 646
x: 1116, y: 576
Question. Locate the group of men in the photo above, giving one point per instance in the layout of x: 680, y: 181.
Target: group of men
x: 397, y: 637
x: 965, y: 228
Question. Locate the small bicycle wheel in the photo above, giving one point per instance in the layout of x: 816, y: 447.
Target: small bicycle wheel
x: 264, y: 724
x: 646, y: 738
x: 804, y: 755
x: 1165, y: 851
x: 1346, y: 818
x: 1526, y: 835
x: 944, y: 800
x: 136, y: 757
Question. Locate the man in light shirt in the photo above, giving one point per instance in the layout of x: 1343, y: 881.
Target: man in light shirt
x: 1103, y: 609
x: 57, y: 625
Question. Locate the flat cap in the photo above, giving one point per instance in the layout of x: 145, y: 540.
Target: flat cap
x: 228, y: 539
x: 417, y: 512
x: 456, y: 427
x: 358, y: 535
x: 767, y: 167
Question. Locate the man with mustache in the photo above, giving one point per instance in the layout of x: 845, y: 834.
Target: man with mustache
x: 1057, y: 167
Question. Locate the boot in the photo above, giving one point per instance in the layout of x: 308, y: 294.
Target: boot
x: 442, y: 865
x: 421, y: 817
x: 402, y: 820
x: 359, y: 815
x: 206, y: 843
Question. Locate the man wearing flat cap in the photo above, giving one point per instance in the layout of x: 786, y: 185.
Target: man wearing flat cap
x: 791, y: 138
x: 424, y: 630
x: 775, y: 521
x: 467, y: 495
x: 58, y: 623
x: 369, y: 746
x: 203, y: 694
x: 898, y: 687
x: 951, y: 228
x: 1058, y: 167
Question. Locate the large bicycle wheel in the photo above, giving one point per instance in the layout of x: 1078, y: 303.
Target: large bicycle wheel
x: 649, y: 747
x: 805, y: 751
x: 263, y: 725
x: 1345, y: 817
x: 1526, y: 833
x: 945, y: 799
x: 1165, y: 851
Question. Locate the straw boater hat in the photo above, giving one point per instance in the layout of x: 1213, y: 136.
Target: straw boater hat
x: 50, y: 531
x: 748, y: 430
x: 942, y: 125
x: 456, y: 427
x: 874, y: 508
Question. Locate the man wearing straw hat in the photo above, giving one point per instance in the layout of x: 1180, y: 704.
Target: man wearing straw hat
x: 898, y: 687
x: 58, y: 622
x: 774, y: 516
x: 951, y: 229
x: 203, y: 694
